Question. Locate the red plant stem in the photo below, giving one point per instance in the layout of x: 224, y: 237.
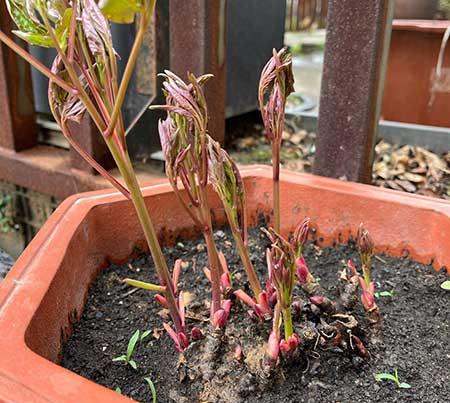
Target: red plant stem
x: 126, y: 169
x: 91, y: 161
x: 36, y: 63
x: 213, y: 258
x: 276, y: 185
x: 276, y: 319
x: 213, y: 254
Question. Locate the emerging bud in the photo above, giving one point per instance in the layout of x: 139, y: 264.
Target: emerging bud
x: 196, y: 334
x: 367, y: 295
x: 324, y: 303
x: 290, y: 344
x: 302, y: 271
x: 301, y: 235
x: 352, y: 268
x: 225, y: 282
x: 180, y: 339
x: 238, y: 355
x: 162, y: 300
x: 305, y: 278
x: 273, y: 349
x: 221, y: 315
x: 364, y: 241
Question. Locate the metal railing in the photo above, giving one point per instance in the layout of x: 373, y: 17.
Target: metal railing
x: 302, y: 15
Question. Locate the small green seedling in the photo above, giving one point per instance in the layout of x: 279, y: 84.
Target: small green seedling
x: 152, y: 388
x: 130, y: 349
x: 118, y: 390
x: 446, y: 285
x: 384, y: 294
x: 393, y: 378
x: 144, y: 335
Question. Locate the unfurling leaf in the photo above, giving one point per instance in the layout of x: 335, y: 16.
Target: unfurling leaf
x: 96, y: 29
x: 132, y: 344
x: 35, y: 39
x: 121, y: 11
x: 26, y: 15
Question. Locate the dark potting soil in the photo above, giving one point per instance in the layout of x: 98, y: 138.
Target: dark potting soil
x: 414, y: 337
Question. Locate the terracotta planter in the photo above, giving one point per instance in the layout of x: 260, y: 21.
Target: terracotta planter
x: 410, y: 75
x: 416, y: 9
x: 45, y: 291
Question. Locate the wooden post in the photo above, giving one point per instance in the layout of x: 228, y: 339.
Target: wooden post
x: 18, y: 129
x: 198, y: 45
x: 356, y: 53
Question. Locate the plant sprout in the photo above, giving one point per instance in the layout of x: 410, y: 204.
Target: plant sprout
x: 84, y: 79
x: 276, y: 83
x: 365, y: 247
x: 394, y: 378
x: 227, y: 182
x: 384, y: 293
x: 152, y: 389
x: 127, y: 358
x: 283, y: 258
x: 446, y: 285
x: 184, y: 140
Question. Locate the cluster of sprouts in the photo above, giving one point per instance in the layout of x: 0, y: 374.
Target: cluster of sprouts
x: 84, y: 79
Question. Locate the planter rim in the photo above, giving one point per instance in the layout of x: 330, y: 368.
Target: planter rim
x: 427, y: 26
x: 22, y: 284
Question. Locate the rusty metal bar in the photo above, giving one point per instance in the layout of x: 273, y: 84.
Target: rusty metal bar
x: 198, y: 44
x: 18, y: 130
x: 357, y: 45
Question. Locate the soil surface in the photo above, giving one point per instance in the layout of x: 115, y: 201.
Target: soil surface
x: 414, y: 339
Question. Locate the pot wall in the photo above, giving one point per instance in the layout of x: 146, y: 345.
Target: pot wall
x: 46, y: 290
x: 410, y: 75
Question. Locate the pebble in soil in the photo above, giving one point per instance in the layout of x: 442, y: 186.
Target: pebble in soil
x: 415, y: 338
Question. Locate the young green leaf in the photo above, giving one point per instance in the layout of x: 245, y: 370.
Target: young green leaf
x: 132, y: 344
x: 384, y: 294
x: 394, y: 378
x: 35, y: 39
x: 133, y: 364
x: 389, y: 377
x: 144, y: 335
x: 120, y: 358
x: 121, y: 11
x: 152, y: 388
x: 446, y: 285
x: 118, y: 390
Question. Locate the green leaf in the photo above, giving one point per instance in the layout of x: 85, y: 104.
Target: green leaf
x: 387, y: 293
x: 118, y: 390
x: 62, y: 30
x: 390, y: 377
x: 121, y: 358
x: 152, y: 388
x: 404, y: 385
x: 35, y: 39
x: 121, y: 11
x: 145, y: 334
x: 26, y: 22
x: 132, y: 364
x: 446, y: 285
x: 132, y: 344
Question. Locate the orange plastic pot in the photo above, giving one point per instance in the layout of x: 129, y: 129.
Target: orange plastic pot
x: 46, y: 290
